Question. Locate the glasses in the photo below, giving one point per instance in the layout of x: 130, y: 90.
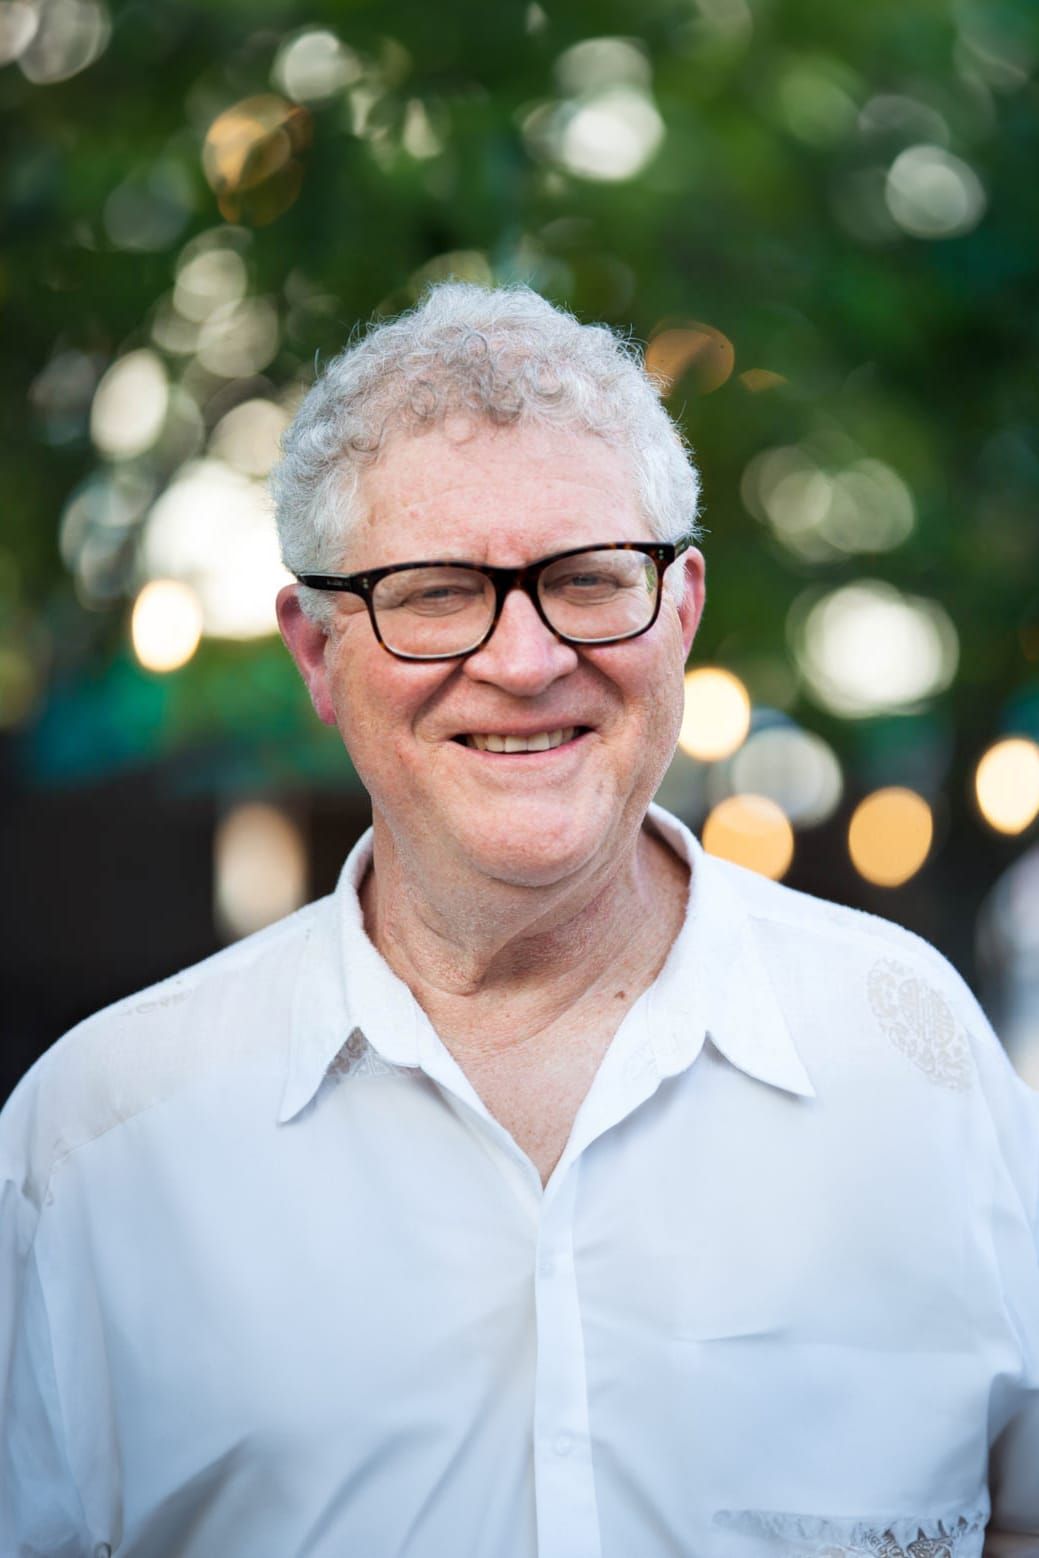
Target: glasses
x: 446, y: 610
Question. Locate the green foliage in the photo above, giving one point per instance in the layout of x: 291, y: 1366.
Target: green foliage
x: 764, y: 213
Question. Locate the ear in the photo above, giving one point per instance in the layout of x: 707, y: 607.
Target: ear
x: 691, y: 601
x: 306, y: 642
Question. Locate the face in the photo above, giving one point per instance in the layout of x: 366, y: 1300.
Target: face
x: 442, y: 802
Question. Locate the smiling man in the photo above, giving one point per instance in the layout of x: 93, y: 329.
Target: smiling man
x: 551, y: 1190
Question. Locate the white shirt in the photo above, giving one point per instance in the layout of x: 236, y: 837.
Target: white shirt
x: 276, y: 1285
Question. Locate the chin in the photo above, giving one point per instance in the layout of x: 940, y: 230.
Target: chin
x: 530, y: 856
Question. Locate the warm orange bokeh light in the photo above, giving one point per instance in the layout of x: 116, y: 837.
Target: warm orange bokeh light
x: 697, y: 354
x: 758, y: 380
x: 751, y: 831
x: 890, y: 835
x: 250, y: 157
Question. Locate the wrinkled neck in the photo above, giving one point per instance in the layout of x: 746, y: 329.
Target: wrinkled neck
x: 511, y: 960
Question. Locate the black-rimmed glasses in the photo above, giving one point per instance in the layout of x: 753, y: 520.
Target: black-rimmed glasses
x: 444, y: 610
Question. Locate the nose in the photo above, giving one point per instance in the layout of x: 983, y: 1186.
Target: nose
x: 522, y: 655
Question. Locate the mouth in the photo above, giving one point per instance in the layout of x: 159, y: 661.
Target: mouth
x: 536, y: 741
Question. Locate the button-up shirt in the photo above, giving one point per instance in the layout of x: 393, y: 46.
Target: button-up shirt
x: 275, y: 1284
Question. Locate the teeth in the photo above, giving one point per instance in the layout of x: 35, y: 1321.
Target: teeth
x: 543, y: 741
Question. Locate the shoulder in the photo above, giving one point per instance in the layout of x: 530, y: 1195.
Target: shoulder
x: 227, y: 1014
x: 836, y: 940
x: 879, y: 1013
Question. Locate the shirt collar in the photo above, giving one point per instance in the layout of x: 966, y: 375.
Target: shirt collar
x: 343, y: 985
x: 714, y: 985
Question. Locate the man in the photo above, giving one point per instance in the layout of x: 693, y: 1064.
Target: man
x: 551, y: 1189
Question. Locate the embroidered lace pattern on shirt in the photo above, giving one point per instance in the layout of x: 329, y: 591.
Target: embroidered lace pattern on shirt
x: 169, y: 993
x: 807, y: 1536
x: 920, y: 1022
x: 357, y: 1058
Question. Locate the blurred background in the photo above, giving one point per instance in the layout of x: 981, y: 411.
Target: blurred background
x: 821, y: 222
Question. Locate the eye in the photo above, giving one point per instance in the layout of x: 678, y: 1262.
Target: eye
x: 429, y: 592
x: 437, y: 599
x: 585, y: 583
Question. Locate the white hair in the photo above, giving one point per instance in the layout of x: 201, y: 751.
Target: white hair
x: 503, y: 356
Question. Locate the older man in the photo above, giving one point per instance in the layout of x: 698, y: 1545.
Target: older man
x: 551, y: 1189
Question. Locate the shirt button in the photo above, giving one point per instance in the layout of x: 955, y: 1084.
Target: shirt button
x: 548, y: 1266
x: 564, y: 1443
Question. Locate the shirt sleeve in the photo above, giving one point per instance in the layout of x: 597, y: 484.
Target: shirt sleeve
x: 40, y: 1511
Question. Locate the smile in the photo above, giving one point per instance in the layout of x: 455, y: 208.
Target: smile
x: 540, y: 741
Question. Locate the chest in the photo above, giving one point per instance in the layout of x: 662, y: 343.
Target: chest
x: 301, y: 1335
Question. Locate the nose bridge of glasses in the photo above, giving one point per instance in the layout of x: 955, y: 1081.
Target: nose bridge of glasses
x: 508, y: 582
x: 523, y: 581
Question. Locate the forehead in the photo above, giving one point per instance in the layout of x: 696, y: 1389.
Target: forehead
x: 494, y: 494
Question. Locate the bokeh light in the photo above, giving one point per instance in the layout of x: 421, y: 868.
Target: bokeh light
x: 210, y: 275
x: 890, y: 836
x: 610, y: 136
x: 251, y: 157
x: 61, y: 394
x: 419, y: 136
x: 896, y: 115
x: 19, y: 20
x: 751, y: 831
x: 239, y: 339
x: 151, y: 208
x: 68, y: 36
x: 166, y: 625
x: 314, y: 66
x: 246, y: 438
x: 867, y: 649
x: 606, y: 127
x: 720, y: 28
x: 932, y: 194
x: 596, y: 64
x: 213, y: 529
x: 1006, y: 784
x: 130, y: 405
x: 815, y: 99
x: 697, y: 355
x: 795, y: 768
x: 1008, y: 955
x: 716, y: 715
x: 996, y: 44
x: 758, y: 380
x: 96, y: 523
x: 260, y: 868
x: 818, y: 508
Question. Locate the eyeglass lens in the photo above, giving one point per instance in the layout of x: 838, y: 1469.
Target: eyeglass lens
x: 444, y: 610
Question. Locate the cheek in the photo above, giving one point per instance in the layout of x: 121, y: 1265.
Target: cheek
x: 380, y: 703
x: 648, y: 684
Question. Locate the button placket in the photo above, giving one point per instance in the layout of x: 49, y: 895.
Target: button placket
x: 567, y: 1513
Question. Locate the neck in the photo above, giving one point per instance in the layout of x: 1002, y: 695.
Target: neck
x: 495, y: 964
